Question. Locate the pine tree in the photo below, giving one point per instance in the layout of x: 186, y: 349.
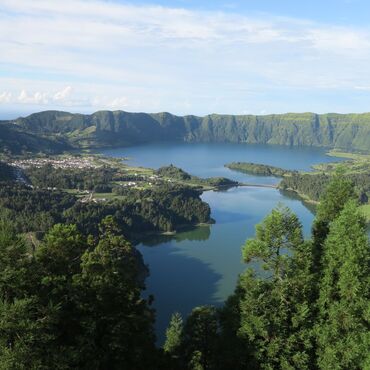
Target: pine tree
x: 173, y: 335
x: 27, y: 328
x: 276, y: 319
x: 117, y: 331
x: 342, y: 331
x: 338, y: 192
x: 200, y: 338
x: 74, y: 303
x: 234, y: 352
x: 196, y: 361
x: 280, y: 232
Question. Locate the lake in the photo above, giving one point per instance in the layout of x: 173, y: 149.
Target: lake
x: 201, y: 266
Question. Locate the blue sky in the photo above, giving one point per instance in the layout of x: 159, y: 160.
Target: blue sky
x: 343, y: 12
x: 185, y: 56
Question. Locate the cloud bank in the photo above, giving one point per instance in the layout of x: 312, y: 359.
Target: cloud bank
x: 91, y: 55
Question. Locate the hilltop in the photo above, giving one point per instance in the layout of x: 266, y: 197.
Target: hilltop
x: 56, y: 130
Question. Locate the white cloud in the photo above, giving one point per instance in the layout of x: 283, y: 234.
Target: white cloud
x: 152, y: 57
x: 5, y: 97
x: 63, y: 94
x: 35, y: 98
x: 118, y: 103
x: 363, y: 88
x: 340, y: 40
x: 63, y: 97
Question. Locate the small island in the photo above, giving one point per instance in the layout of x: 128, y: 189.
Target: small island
x: 258, y: 169
x: 174, y: 173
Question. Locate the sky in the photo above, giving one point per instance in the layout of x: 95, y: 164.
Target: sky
x: 184, y: 56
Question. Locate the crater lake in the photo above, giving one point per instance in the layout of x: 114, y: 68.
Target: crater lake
x: 201, y: 266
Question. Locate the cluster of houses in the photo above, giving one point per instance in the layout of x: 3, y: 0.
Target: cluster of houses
x: 129, y: 180
x: 68, y: 162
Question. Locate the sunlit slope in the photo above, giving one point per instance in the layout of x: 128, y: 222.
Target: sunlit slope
x: 106, y: 128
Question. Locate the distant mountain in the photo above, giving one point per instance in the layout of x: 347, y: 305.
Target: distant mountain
x: 107, y: 128
x: 14, y: 139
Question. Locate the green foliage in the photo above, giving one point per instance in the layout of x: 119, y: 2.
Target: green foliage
x: 279, y: 233
x: 24, y: 324
x: 175, y: 173
x: 275, y: 317
x: 34, y: 209
x: 235, y: 351
x: 163, y: 209
x: 97, y: 179
x: 200, y: 338
x: 6, y: 172
x: 116, y: 323
x: 16, y: 140
x: 196, y: 361
x: 343, y: 328
x: 173, y: 335
x: 337, y: 193
x: 313, y: 185
x: 105, y: 128
x: 74, y: 303
x: 339, y: 190
x: 258, y: 169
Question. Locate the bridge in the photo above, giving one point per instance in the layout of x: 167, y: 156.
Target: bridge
x: 271, y: 186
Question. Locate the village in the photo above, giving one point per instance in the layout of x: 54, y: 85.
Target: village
x: 126, y: 176
x: 80, y: 162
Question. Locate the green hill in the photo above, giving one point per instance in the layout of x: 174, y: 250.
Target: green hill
x: 15, y: 139
x: 107, y: 128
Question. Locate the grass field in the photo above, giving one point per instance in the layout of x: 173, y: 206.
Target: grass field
x: 354, y: 156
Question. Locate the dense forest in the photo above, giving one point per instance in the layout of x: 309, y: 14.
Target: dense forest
x: 118, y: 128
x: 97, y: 179
x: 179, y: 174
x: 258, y: 169
x: 72, y: 283
x: 166, y: 209
x: 6, y: 172
x: 73, y: 301
x: 135, y: 212
x: 312, y: 185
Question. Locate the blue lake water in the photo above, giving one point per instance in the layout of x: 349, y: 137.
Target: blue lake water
x: 201, y: 266
x: 208, y: 160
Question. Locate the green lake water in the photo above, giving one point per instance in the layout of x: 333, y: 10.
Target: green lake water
x: 201, y: 266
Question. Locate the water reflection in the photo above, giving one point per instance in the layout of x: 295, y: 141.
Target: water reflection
x: 201, y: 265
x: 293, y: 195
x: 196, y: 233
x: 183, y: 281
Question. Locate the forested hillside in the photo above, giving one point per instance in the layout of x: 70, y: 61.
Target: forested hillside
x: 107, y: 128
x: 15, y: 139
x: 74, y: 301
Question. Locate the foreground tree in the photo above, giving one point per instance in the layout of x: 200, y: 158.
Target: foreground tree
x: 173, y: 335
x: 343, y: 326
x: 275, y: 306
x: 116, y: 321
x: 200, y: 338
x: 73, y: 303
x: 338, y: 192
x: 235, y: 351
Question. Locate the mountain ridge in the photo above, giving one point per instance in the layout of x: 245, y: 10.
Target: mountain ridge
x: 115, y: 128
